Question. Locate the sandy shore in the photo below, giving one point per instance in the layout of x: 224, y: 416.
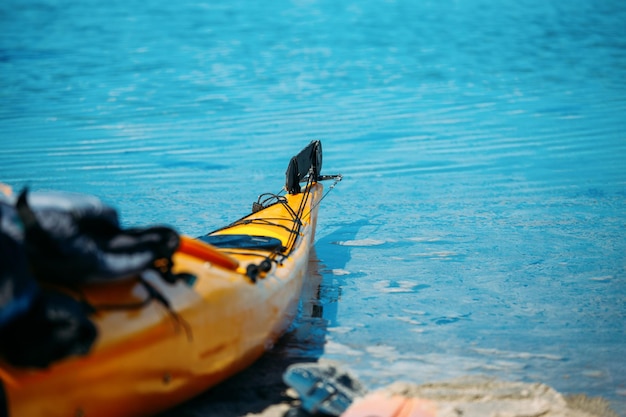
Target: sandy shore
x: 260, y: 391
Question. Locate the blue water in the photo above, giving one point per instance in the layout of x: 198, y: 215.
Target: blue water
x: 481, y: 224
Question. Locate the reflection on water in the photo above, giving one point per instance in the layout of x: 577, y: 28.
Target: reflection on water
x: 306, y: 338
x: 479, y: 227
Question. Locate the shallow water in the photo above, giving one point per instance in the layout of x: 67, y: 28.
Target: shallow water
x: 480, y: 227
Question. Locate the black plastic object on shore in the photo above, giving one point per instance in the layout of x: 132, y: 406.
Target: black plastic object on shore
x: 323, y: 388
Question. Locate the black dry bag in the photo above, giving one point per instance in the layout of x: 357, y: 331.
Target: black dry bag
x: 74, y: 238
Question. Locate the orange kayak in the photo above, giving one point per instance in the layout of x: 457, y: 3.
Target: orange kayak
x: 233, y: 305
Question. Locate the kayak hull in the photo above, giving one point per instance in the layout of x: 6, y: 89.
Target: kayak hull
x: 150, y: 358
